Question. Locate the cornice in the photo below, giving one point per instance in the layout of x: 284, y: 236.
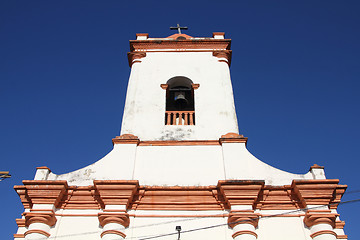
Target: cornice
x: 185, y: 44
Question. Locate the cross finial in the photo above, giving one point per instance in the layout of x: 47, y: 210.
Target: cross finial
x: 178, y: 28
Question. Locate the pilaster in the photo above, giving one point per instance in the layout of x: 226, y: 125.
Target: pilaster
x: 42, y: 197
x: 240, y: 197
x: 116, y: 196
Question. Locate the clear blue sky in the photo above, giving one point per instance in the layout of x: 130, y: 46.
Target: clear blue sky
x: 64, y: 72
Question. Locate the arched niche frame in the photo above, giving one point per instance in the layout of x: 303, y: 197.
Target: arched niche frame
x: 180, y: 101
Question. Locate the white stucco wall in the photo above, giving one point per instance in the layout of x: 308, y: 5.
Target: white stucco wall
x: 87, y: 227
x: 144, y: 113
x: 201, y: 165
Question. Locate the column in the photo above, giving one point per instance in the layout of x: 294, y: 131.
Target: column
x: 43, y: 196
x: 321, y: 224
x: 243, y: 224
x: 116, y: 197
x: 240, y: 197
x: 319, y: 196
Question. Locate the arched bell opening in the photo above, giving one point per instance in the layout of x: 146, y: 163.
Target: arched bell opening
x: 180, y: 106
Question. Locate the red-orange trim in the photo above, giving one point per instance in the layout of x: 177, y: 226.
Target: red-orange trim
x: 218, y: 34
x: 20, y: 222
x: 176, y: 35
x: 126, y: 139
x: 339, y: 224
x: 313, y: 217
x: 116, y: 192
x: 37, y: 231
x: 44, y: 167
x: 242, y: 217
x: 186, y: 44
x: 142, y: 34
x: 233, y: 138
x: 240, y: 192
x: 19, y: 235
x: 195, y: 86
x: 316, y: 166
x: 342, y: 237
x: 132, y: 56
x: 44, y: 191
x: 120, y: 218
x: 244, y: 232
x: 323, y: 232
x: 223, y: 54
x: 315, y: 192
x: 219, y: 197
x: 113, y: 232
x: 40, y: 216
x: 164, y: 86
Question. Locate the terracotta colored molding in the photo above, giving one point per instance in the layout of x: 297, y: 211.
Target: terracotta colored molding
x: 37, y: 231
x: 315, y: 192
x: 315, y: 166
x: 342, y: 237
x: 20, y: 222
x: 339, y: 192
x: 164, y: 86
x: 233, y: 138
x: 133, y: 56
x: 339, y: 224
x: 218, y: 34
x: 313, y: 217
x: 177, y: 198
x: 195, y: 86
x: 176, y: 35
x: 323, y: 232
x: 41, y: 192
x: 186, y: 44
x: 44, y: 167
x: 40, y: 216
x: 240, y: 192
x: 126, y: 139
x: 113, y: 232
x: 120, y: 218
x: 142, y: 34
x: 24, y: 198
x: 244, y: 232
x: 243, y: 217
x: 19, y: 235
x: 223, y: 54
x: 116, y: 192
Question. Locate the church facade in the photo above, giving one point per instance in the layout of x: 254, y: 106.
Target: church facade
x: 180, y: 169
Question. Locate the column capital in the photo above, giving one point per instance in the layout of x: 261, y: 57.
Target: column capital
x: 40, y: 216
x: 121, y: 218
x: 313, y: 217
x: 243, y: 217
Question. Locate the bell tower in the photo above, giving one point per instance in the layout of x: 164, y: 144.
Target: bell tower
x: 179, y: 88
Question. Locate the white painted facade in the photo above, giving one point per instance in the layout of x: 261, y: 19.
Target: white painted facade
x: 171, y: 164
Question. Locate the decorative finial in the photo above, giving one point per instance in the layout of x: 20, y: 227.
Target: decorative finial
x: 178, y: 28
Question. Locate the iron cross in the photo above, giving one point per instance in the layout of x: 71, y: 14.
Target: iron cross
x: 178, y: 28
